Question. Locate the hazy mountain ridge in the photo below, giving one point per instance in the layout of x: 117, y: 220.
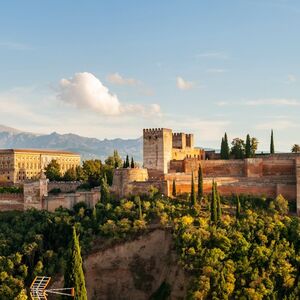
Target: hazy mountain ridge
x: 87, y: 147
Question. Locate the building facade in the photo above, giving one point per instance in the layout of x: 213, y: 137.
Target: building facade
x: 18, y: 165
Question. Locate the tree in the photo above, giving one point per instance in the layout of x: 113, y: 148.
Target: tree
x: 70, y: 175
x: 74, y: 276
x: 92, y: 169
x: 52, y: 171
x: 213, y: 204
x: 127, y: 162
x: 222, y: 153
x: 137, y: 200
x: 254, y: 145
x: 272, y: 149
x: 193, y: 193
x: 238, y: 207
x: 224, y: 147
x: 80, y: 175
x: 200, y: 183
x: 132, y: 163
x: 296, y: 148
x: 238, y: 148
x: 174, y: 188
x: 248, y: 147
x: 104, y: 190
x: 219, y: 208
x: 114, y: 160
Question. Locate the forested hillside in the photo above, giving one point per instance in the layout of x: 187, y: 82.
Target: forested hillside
x: 250, y: 251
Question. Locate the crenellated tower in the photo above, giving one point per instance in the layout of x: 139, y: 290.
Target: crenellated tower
x: 157, y: 149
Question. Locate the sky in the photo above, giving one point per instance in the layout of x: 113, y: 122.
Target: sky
x: 108, y: 69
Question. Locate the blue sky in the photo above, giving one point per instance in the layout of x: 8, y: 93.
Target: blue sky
x: 109, y: 68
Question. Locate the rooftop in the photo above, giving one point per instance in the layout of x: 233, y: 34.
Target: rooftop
x: 43, y: 151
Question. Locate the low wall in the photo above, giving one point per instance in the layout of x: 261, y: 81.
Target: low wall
x: 68, y: 201
x: 11, y: 201
x: 64, y: 186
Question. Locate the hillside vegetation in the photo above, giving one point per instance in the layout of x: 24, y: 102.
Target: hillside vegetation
x: 251, y: 254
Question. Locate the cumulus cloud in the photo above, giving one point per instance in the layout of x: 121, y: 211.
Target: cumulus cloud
x: 116, y: 78
x: 86, y: 91
x: 184, y: 84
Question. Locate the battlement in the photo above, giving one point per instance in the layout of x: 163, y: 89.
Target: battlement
x: 147, y: 132
x: 189, y: 140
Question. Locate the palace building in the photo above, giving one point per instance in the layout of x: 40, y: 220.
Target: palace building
x: 18, y: 165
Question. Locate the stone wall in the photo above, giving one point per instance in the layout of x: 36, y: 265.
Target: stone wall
x: 64, y: 186
x: 11, y: 202
x: 52, y: 202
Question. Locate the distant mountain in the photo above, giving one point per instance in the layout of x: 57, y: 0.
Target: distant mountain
x: 87, y: 147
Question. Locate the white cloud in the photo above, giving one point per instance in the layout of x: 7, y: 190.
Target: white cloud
x: 263, y: 102
x: 183, y: 84
x: 116, y: 78
x: 277, y: 124
x: 86, y: 91
x: 273, y: 101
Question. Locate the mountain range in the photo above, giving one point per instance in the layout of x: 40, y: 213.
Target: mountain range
x: 88, y: 148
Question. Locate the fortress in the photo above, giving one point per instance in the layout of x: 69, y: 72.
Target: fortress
x: 172, y: 157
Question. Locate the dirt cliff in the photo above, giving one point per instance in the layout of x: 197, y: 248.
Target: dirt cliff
x: 135, y: 269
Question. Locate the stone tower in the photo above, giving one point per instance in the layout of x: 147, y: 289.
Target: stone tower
x: 157, y: 149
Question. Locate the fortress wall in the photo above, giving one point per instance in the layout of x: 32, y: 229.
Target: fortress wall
x: 140, y: 188
x: 123, y: 177
x: 232, y: 185
x: 297, y: 170
x: 279, y: 167
x: 222, y: 168
x: 11, y: 202
x: 64, y: 186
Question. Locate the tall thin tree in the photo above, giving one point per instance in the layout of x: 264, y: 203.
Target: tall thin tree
x: 74, y: 276
x: 127, y: 161
x: 193, y: 193
x: 248, y: 147
x: 226, y: 147
x: 218, y: 200
x: 200, y: 183
x: 132, y: 163
x: 272, y: 148
x: 213, y: 205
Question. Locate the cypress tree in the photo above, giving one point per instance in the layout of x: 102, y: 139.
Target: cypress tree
x: 272, y: 149
x: 200, y: 183
x: 213, y: 204
x: 226, y: 147
x: 248, y: 146
x: 127, y: 162
x: 222, y: 152
x: 104, y: 190
x: 74, y: 276
x: 238, y: 207
x: 124, y: 164
x: 132, y: 163
x: 219, y: 208
x: 193, y: 194
x: 138, y: 201
x: 174, y: 188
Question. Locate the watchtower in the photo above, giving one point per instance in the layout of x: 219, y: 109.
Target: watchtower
x: 157, y: 149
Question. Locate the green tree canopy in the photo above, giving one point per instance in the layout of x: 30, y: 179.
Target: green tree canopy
x: 52, y: 171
